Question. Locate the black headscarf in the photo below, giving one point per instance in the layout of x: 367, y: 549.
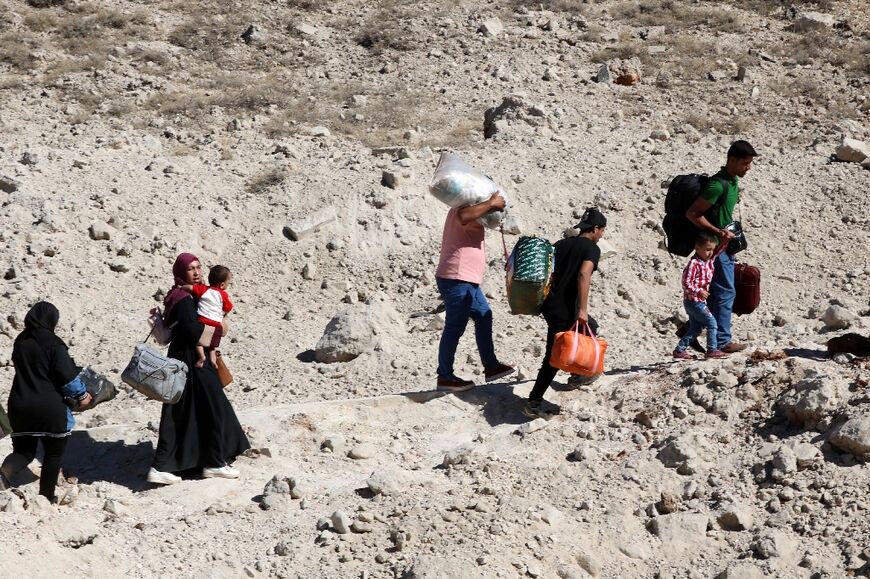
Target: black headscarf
x: 39, y: 324
x: 43, y: 315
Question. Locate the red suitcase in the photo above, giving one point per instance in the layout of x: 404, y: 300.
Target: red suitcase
x: 747, y: 283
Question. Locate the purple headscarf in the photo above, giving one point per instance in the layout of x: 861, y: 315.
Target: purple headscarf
x: 179, y: 271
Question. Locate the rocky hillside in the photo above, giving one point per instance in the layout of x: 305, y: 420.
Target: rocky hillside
x: 294, y: 142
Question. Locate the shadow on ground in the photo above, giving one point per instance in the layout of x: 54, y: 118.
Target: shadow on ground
x: 499, y: 402
x: 111, y: 461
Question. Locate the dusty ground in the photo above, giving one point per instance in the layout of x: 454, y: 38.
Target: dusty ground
x: 156, y: 124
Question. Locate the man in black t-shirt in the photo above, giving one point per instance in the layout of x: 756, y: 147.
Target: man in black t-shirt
x: 568, y: 302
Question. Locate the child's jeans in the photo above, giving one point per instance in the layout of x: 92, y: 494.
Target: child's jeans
x: 73, y: 393
x: 699, y: 318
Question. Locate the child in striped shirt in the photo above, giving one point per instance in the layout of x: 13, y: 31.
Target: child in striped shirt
x: 696, y: 288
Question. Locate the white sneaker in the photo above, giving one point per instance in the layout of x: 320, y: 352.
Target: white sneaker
x: 226, y: 471
x: 162, y: 478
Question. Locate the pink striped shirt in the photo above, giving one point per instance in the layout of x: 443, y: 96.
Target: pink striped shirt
x: 698, y: 274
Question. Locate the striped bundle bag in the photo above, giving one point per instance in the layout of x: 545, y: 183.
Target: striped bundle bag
x: 529, y: 274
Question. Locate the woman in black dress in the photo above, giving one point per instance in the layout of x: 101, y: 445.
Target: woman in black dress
x: 37, y: 412
x: 201, y: 430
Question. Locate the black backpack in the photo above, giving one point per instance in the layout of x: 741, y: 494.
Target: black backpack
x: 679, y: 231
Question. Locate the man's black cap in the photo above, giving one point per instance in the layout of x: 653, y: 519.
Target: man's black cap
x: 741, y: 149
x: 592, y: 217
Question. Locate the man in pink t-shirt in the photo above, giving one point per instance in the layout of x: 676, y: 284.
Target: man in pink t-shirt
x: 459, y: 275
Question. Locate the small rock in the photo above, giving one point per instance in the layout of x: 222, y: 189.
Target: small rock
x: 838, y: 318
x: 783, y: 464
x: 808, y: 21
x: 588, y: 563
x: 362, y: 451
x: 626, y: 72
x: 113, y: 507
x: 741, y: 570
x: 254, y: 36
x: 735, y: 517
x: 491, y: 27
x: 359, y: 527
x: 668, y: 504
x: 333, y: 443
x: 384, y: 483
x: 812, y: 402
x: 603, y: 74
x: 852, y: 150
x: 100, y: 231
x: 529, y: 427
x: 805, y: 454
x: 853, y: 436
x: 305, y: 29
x: 660, y: 135
x: 8, y: 184
x: 119, y: 267
x: 458, y: 455
x: 309, y: 224
x: 319, y: 131
x: 399, y: 538
x: 390, y: 179
x: 340, y: 522
x: 680, y: 532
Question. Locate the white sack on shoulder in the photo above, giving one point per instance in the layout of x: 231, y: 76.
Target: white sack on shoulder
x: 458, y: 184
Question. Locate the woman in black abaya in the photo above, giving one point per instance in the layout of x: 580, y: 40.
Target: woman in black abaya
x: 37, y: 412
x: 201, y: 430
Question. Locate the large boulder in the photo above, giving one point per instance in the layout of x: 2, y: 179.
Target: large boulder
x: 812, y: 402
x: 686, y: 453
x: 854, y: 436
x: 809, y: 20
x: 360, y: 329
x: 626, y: 72
x: 852, y: 150
x: 680, y: 532
x: 513, y: 108
x: 838, y: 318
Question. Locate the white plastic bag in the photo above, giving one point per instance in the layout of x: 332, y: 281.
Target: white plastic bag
x: 458, y: 184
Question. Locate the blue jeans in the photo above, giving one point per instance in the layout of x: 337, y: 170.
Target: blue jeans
x: 721, y: 300
x: 464, y: 300
x: 699, y: 318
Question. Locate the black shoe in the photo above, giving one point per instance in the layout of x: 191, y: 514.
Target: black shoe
x: 498, y: 371
x: 540, y: 409
x: 576, y: 381
x: 454, y: 384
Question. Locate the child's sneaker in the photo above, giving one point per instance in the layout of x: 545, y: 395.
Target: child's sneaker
x: 715, y: 355
x: 682, y: 355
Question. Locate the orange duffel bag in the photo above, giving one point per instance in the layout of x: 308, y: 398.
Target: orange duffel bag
x: 579, y: 353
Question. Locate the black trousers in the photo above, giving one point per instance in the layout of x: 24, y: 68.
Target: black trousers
x: 547, y: 372
x: 54, y: 448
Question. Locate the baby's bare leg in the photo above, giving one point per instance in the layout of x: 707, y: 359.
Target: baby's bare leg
x: 200, y: 356
x: 212, y: 355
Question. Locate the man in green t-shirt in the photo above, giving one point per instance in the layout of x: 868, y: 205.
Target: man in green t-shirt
x: 712, y: 211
